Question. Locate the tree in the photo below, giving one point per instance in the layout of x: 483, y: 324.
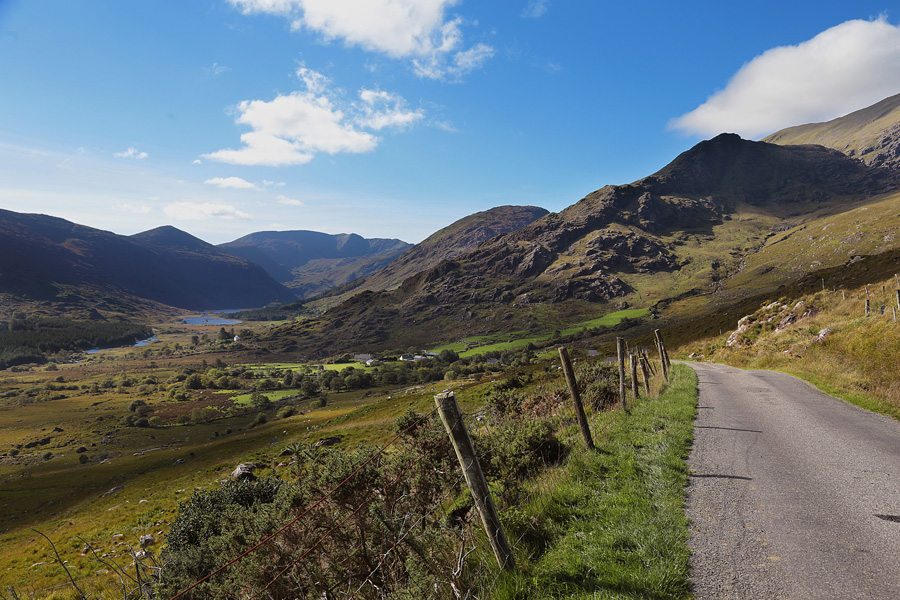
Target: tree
x: 260, y: 401
x: 448, y: 356
x: 195, y: 340
x: 193, y: 382
x: 223, y: 335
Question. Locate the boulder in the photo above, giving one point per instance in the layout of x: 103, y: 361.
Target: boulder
x: 329, y: 441
x: 244, y: 472
x: 147, y: 540
x: 823, y: 334
x: 735, y: 337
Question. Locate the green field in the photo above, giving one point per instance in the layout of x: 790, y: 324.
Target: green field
x: 483, y: 344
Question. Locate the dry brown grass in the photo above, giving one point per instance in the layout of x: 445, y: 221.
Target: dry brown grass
x: 856, y: 361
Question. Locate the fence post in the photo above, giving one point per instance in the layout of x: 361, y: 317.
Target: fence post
x: 645, y: 369
x: 468, y: 460
x: 647, y: 360
x: 843, y: 294
x: 897, y: 292
x: 569, y: 372
x: 634, y: 377
x: 867, y: 301
x: 662, y: 353
x: 620, y: 355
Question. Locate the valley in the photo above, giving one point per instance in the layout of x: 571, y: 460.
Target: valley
x: 131, y: 405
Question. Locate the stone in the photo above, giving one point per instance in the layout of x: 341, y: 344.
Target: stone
x: 244, y: 472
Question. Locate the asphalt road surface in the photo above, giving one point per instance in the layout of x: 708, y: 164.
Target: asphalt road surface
x: 793, y: 493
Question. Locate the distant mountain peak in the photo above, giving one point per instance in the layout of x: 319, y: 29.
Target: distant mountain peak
x: 172, y: 237
x: 312, y: 262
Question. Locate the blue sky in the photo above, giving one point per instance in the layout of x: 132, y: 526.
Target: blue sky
x: 392, y: 118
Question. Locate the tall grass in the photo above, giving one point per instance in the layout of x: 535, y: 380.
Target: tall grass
x: 610, y: 523
x: 856, y: 361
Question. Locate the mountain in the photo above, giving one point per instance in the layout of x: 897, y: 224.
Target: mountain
x: 309, y: 262
x: 48, y: 259
x: 452, y: 241
x: 871, y: 135
x: 677, y: 233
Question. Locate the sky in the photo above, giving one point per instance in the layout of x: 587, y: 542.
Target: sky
x: 393, y: 118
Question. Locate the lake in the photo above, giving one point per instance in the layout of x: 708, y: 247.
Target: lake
x: 210, y: 320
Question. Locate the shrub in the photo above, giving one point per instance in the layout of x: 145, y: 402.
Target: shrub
x: 259, y: 420
x: 598, y: 383
x: 285, y: 411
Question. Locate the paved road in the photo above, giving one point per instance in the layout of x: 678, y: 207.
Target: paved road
x: 787, y: 485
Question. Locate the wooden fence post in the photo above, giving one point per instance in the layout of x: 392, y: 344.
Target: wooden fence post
x: 576, y: 397
x: 662, y: 353
x: 645, y: 369
x: 620, y: 355
x: 843, y: 294
x: 897, y: 292
x: 634, y: 377
x: 647, y: 360
x: 468, y: 460
x: 867, y: 301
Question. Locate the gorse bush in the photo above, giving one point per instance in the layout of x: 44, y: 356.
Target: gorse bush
x: 598, y: 383
x: 382, y: 531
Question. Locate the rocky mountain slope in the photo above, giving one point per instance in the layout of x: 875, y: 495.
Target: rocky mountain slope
x: 450, y: 242
x: 676, y: 232
x: 871, y: 135
x: 309, y: 262
x: 51, y: 260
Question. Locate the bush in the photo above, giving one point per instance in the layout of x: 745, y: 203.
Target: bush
x: 84, y: 459
x: 598, y: 383
x: 260, y: 401
x: 259, y: 420
x: 285, y: 411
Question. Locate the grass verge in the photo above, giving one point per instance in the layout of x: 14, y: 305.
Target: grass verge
x: 611, y: 523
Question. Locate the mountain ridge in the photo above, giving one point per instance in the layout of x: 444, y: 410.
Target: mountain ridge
x: 40, y: 255
x: 871, y: 134
x: 606, y: 248
x: 311, y: 262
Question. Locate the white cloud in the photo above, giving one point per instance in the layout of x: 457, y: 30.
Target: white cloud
x: 197, y: 161
x: 535, y: 9
x: 269, y: 183
x: 198, y: 211
x: 454, y: 68
x: 216, y: 69
x: 416, y: 29
x: 131, y: 152
x: 842, y: 69
x: 382, y: 109
x: 292, y: 128
x: 234, y: 183
x: 288, y: 201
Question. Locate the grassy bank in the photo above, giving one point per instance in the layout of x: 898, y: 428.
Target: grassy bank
x: 611, y: 523
x: 826, y: 339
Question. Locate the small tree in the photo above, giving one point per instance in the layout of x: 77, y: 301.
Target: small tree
x: 260, y: 401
